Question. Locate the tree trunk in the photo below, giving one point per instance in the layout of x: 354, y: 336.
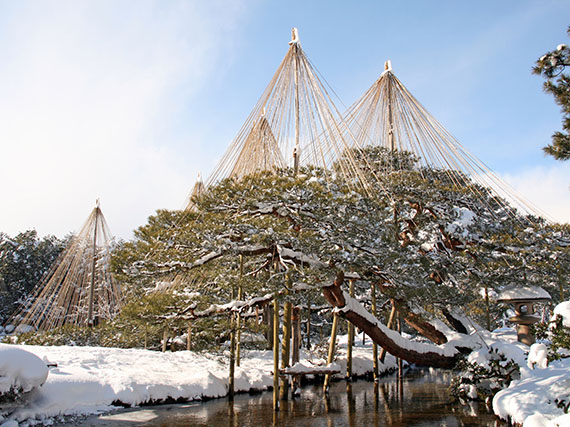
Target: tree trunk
x: 416, y: 322
x: 275, y: 353
x: 454, y: 322
x: 286, y: 348
x: 389, y: 325
x: 420, y: 354
x: 330, y: 357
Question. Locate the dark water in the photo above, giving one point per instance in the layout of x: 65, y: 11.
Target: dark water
x: 420, y: 399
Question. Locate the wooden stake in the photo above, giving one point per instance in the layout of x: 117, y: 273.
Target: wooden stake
x: 275, y: 353
x: 330, y: 357
x: 189, y: 337
x: 308, y: 323
x: 296, y: 324
x: 90, y: 320
x: 232, y: 358
x: 374, y: 345
x: 239, y: 297
x: 350, y: 339
x: 400, y: 365
x: 164, y: 340
x: 389, y: 325
x: 286, y: 348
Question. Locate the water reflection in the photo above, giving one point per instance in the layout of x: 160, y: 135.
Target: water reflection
x: 421, y: 398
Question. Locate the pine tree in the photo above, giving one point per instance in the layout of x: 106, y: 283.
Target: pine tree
x: 552, y: 66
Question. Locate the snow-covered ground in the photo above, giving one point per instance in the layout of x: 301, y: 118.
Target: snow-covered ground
x: 87, y: 380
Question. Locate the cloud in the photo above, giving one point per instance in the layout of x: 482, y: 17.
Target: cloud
x: 547, y: 187
x: 92, y: 94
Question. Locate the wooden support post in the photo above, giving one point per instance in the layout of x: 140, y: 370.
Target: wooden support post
x: 350, y: 339
x: 231, y: 390
x: 296, y: 324
x: 487, y: 308
x: 389, y: 325
x: 330, y: 357
x: 270, y: 325
x: 239, y: 297
x: 164, y: 340
x: 308, y: 323
x: 400, y: 366
x: 286, y: 348
x: 275, y: 353
x: 374, y: 345
x: 189, y: 337
x: 90, y: 317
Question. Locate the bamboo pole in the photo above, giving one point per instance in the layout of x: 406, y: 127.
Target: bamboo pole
x: 93, y: 267
x: 330, y: 357
x: 389, y: 325
x: 286, y: 348
x: 275, y: 353
x: 296, y: 327
x: 308, y: 323
x: 296, y: 150
x: 239, y: 297
x: 487, y: 308
x: 350, y: 338
x: 231, y: 390
x: 374, y: 345
x: 164, y: 340
x: 189, y: 337
x: 400, y: 365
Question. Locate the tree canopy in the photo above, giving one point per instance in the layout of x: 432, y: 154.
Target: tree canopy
x: 552, y: 66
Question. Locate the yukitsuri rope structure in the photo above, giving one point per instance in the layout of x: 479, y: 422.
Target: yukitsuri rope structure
x: 79, y: 288
x: 389, y: 116
x: 295, y: 123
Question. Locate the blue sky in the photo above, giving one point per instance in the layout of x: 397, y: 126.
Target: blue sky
x: 128, y: 100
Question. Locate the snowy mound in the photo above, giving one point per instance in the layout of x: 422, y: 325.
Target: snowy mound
x: 523, y: 292
x: 20, y: 370
x: 563, y: 309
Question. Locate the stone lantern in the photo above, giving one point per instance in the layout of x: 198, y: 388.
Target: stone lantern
x: 523, y: 299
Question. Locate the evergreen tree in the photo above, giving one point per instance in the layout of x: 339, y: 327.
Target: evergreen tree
x: 24, y: 259
x: 552, y: 66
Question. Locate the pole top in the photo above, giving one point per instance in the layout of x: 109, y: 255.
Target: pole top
x: 388, y: 65
x: 294, y: 37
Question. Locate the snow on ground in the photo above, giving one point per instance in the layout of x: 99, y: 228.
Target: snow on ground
x: 20, y: 369
x: 87, y: 380
x: 530, y: 401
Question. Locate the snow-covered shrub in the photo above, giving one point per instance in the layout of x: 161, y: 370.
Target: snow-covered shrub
x: 475, y: 381
x: 556, y: 333
x: 20, y: 373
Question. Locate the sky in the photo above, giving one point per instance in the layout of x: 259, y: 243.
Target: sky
x: 127, y: 101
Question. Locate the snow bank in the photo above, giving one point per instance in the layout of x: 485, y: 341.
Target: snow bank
x: 88, y: 380
x: 20, y: 369
x: 530, y: 400
x: 563, y: 309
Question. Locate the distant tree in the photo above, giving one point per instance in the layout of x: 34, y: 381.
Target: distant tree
x: 552, y: 66
x: 24, y: 259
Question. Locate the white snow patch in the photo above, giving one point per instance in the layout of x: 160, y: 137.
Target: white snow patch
x: 20, y: 369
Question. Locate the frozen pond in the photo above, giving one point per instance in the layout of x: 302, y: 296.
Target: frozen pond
x: 420, y: 399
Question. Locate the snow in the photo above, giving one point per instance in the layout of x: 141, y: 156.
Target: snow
x: 464, y: 218
x: 563, y: 309
x: 537, y: 356
x: 533, y: 396
x: 523, y: 292
x: 20, y: 369
x: 530, y: 401
x: 352, y: 304
x: 87, y: 380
